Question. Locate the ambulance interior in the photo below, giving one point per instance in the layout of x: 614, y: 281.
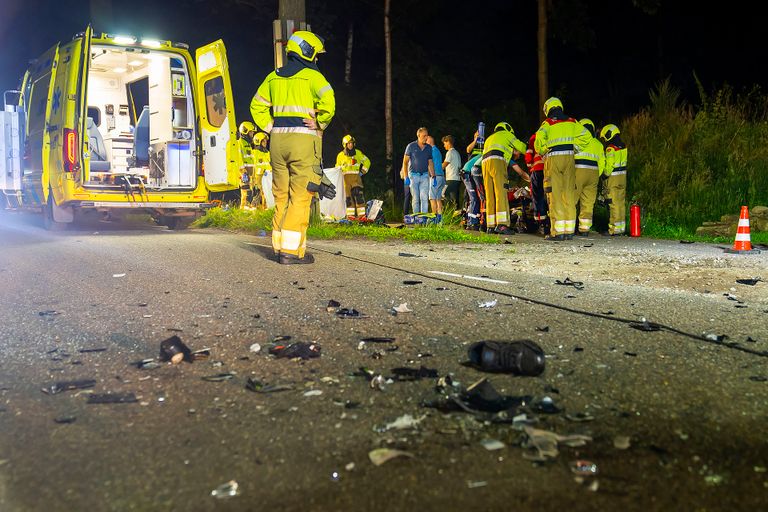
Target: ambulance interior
x: 141, y: 119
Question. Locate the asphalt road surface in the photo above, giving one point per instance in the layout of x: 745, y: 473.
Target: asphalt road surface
x: 672, y: 420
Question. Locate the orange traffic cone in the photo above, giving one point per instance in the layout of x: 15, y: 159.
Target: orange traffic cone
x: 742, y: 244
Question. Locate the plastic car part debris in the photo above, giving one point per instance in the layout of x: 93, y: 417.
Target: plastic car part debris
x: 542, y: 329
x: 402, y: 308
x: 332, y: 305
x: 412, y: 282
x: 174, y: 350
x: 300, y: 349
x: 579, y: 417
x: 88, y: 350
x: 408, y: 255
x: 255, y: 348
x: 49, y: 312
x: 749, y: 282
x: 146, y: 364
x: 567, y: 282
x: 226, y: 490
x: 480, y: 399
x: 349, y: 313
x: 219, y: 377
x: 313, y: 392
x: 645, y: 326
x: 519, y: 357
x: 65, y: 419
x: 69, y: 385
x: 488, y: 304
x: 378, y: 340
x: 583, y: 468
x: 381, y: 455
x: 200, y: 355
x: 112, y: 398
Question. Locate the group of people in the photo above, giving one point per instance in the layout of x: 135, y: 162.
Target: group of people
x: 565, y: 159
x: 295, y: 104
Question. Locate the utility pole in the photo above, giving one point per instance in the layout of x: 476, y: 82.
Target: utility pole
x: 388, y: 102
x: 292, y: 16
x: 542, y: 52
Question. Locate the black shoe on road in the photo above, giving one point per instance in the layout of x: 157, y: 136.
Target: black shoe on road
x: 504, y: 230
x: 290, y: 259
x: 523, y: 357
x: 554, y: 238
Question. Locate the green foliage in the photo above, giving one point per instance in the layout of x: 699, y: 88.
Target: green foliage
x: 254, y: 221
x: 691, y: 165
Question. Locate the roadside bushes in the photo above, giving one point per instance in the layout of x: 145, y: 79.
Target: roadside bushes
x: 690, y: 164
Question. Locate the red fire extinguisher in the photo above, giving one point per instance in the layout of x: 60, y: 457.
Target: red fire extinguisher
x: 634, y: 220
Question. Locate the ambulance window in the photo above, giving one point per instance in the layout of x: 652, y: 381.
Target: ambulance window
x: 37, y: 102
x: 215, y: 101
x: 95, y: 114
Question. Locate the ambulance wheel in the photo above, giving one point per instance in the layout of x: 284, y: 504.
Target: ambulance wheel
x: 177, y: 223
x: 49, y: 222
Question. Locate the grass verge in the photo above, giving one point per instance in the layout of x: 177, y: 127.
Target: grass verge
x: 655, y: 229
x: 254, y: 221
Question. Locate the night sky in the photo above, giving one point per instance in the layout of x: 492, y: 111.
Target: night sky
x: 454, y: 63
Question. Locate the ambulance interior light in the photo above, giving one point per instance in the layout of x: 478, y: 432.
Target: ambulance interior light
x: 125, y: 39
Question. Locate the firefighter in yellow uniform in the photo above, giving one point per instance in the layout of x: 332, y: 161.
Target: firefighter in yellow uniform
x: 261, y: 165
x: 556, y: 140
x: 497, y: 157
x: 590, y: 162
x: 616, y: 181
x: 246, y: 130
x: 353, y: 164
x: 294, y: 104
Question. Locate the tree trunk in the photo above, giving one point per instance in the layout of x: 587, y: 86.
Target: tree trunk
x: 542, y: 52
x: 388, y: 99
x: 348, y: 64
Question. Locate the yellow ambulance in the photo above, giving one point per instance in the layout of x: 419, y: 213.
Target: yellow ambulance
x: 121, y: 123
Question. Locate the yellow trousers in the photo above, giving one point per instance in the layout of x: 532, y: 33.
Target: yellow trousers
x: 562, y: 179
x: 586, y: 195
x: 355, y: 198
x: 617, y: 194
x: 496, y: 200
x: 295, y: 164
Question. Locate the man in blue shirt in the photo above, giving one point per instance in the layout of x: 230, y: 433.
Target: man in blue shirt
x: 419, y: 168
x: 436, y: 183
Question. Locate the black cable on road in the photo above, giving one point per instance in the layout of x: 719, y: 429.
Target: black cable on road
x: 651, y: 325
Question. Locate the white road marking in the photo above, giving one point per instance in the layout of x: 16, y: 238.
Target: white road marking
x: 487, y: 280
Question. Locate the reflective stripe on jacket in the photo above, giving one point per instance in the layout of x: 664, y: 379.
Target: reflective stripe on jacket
x: 615, y: 160
x: 281, y: 104
x: 358, y: 163
x: 591, y: 157
x: 502, y: 144
x: 560, y: 137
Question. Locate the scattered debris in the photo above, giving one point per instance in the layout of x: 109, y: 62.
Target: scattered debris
x: 226, y: 490
x: 349, y: 313
x: 118, y: 275
x: 402, y: 308
x: 112, y: 398
x: 255, y: 348
x: 488, y: 304
x: 300, y: 349
x: 758, y: 378
x: 645, y: 326
x: 378, y: 340
x: 492, y: 444
x: 219, y: 377
x: 381, y: 455
x: 403, y: 422
x: 622, y: 442
x: 409, y: 255
x: 259, y: 387
x: 480, y: 399
x: 411, y: 374
x: 313, y: 392
x: 584, y: 468
x: 65, y: 419
x: 69, y: 385
x: 542, y: 329
x: 412, y: 282
x: 146, y: 364
x: 49, y: 312
x: 476, y: 484
x: 546, y: 406
x: 88, y: 350
x: 174, y: 350
x: 567, y: 282
x: 283, y: 337
x: 380, y: 382
x: 749, y: 282
x: 332, y: 306
x: 542, y: 444
x: 579, y: 417
x: 687, y: 241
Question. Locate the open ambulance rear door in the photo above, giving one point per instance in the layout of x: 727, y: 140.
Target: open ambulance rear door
x: 215, y: 105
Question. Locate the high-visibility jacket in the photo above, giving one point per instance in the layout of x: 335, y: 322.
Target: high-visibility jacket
x: 355, y: 164
x: 591, y: 157
x: 560, y: 137
x: 281, y: 103
x: 261, y: 161
x: 615, y: 160
x: 246, y: 155
x: 501, y: 144
x: 532, y: 159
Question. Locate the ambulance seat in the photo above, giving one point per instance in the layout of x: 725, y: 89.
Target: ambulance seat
x: 141, y: 139
x: 99, y: 162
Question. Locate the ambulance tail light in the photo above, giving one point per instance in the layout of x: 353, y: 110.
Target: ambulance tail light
x: 70, y: 149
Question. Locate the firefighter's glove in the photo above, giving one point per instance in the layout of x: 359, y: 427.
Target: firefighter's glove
x: 324, y: 189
